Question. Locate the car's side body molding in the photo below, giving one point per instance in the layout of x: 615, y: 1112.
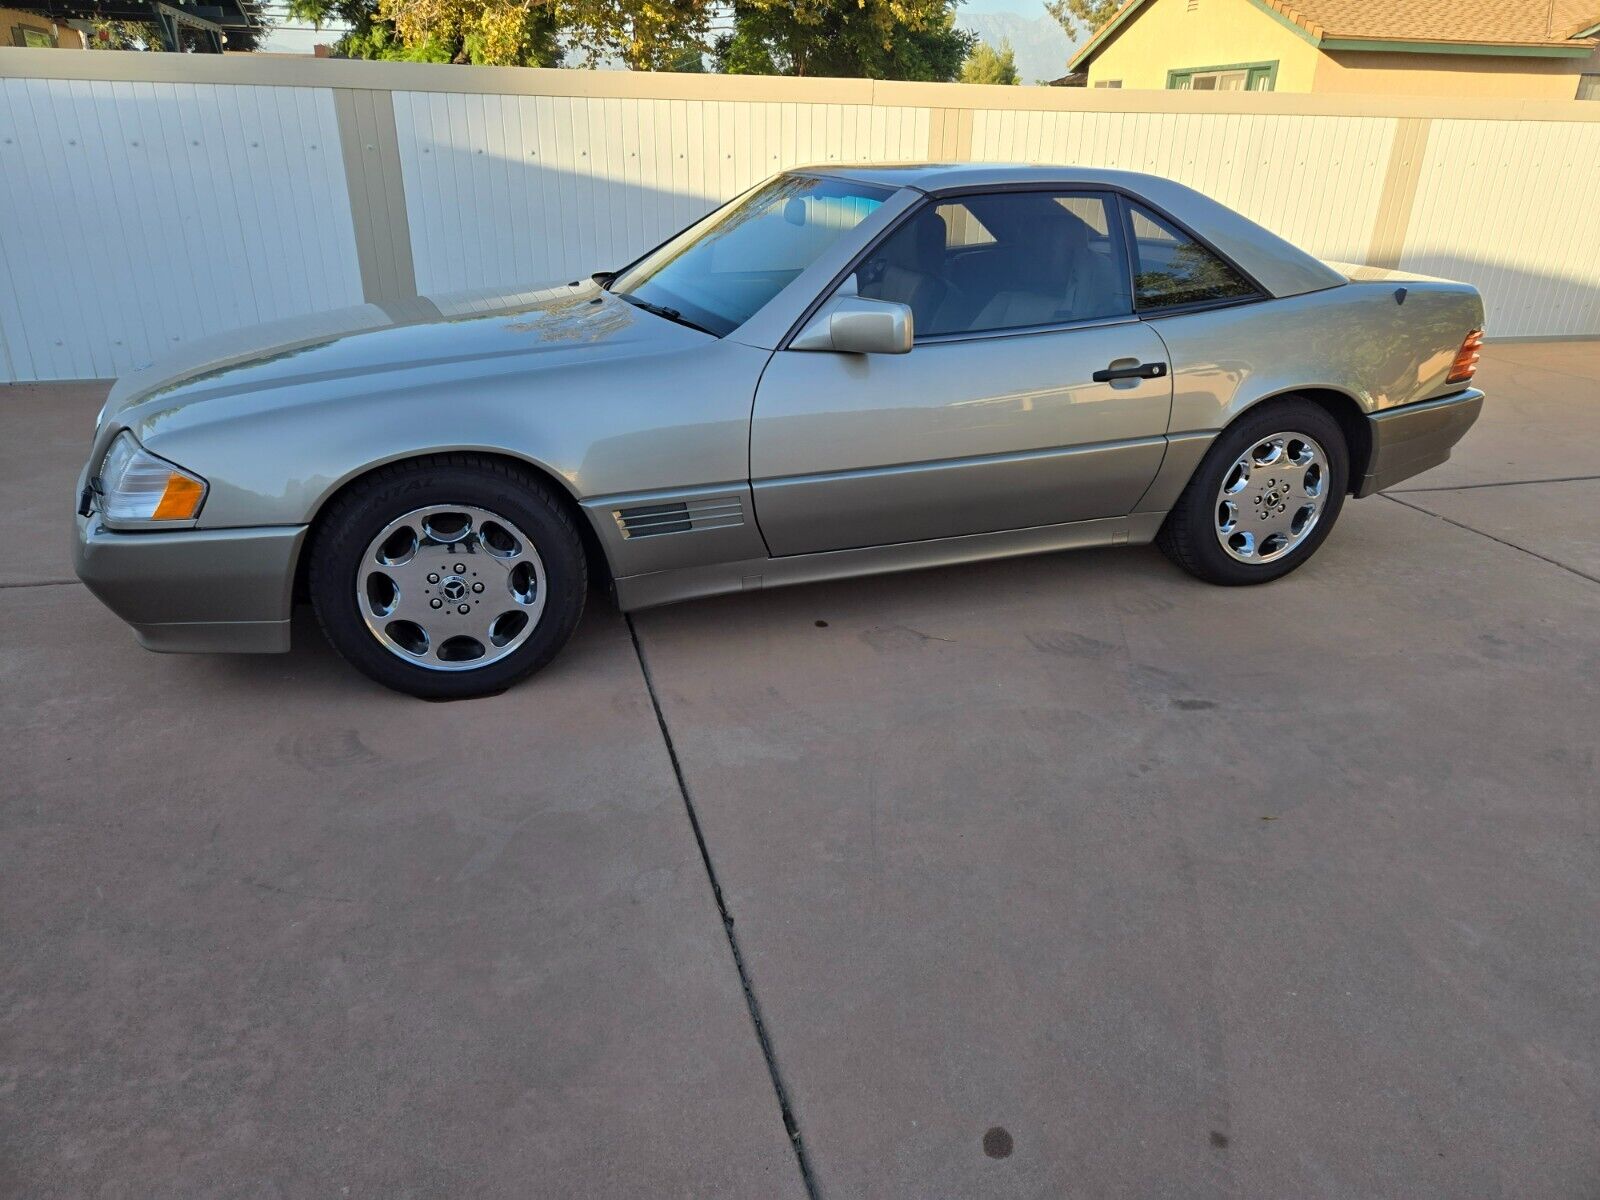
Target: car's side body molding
x: 899, y: 503
x: 666, y: 587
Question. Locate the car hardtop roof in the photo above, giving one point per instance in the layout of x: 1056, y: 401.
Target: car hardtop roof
x: 936, y: 177
x: 1277, y: 267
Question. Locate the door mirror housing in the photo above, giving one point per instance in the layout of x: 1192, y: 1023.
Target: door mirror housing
x: 851, y: 324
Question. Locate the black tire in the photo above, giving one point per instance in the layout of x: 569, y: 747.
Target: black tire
x: 347, y: 529
x: 1189, y: 535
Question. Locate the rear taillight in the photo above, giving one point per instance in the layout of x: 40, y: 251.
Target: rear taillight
x: 1466, y: 358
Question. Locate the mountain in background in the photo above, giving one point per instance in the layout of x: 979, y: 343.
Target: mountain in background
x: 1041, y: 45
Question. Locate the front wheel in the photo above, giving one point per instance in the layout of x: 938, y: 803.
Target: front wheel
x: 448, y: 577
x: 1263, y: 499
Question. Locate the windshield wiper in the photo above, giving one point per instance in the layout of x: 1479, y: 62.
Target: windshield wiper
x: 661, y: 310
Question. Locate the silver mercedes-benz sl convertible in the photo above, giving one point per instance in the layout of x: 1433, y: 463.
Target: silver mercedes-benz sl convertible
x: 845, y: 370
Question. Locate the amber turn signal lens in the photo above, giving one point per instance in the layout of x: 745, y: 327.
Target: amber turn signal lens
x: 1466, y: 358
x: 180, y: 499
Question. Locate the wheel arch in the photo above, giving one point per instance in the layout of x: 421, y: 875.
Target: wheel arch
x: 1345, y: 410
x: 599, y: 563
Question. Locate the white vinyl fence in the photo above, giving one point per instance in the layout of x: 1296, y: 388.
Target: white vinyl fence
x: 146, y: 200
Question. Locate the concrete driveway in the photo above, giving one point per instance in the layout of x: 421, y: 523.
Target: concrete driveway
x: 1059, y: 876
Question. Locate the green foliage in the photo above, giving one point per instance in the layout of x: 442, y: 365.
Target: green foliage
x: 689, y: 59
x: 125, y: 35
x: 986, y: 64
x: 1082, y: 17
x: 482, y: 32
x: 877, y: 39
x: 648, y: 35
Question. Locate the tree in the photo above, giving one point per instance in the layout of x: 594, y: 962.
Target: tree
x: 986, y: 64
x: 690, y: 59
x: 494, y: 32
x: 647, y: 35
x: 1082, y: 17
x: 877, y: 39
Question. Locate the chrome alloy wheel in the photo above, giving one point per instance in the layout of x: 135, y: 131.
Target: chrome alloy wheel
x: 1272, y: 497
x: 451, y: 587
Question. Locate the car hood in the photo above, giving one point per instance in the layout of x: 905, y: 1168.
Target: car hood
x: 478, y: 330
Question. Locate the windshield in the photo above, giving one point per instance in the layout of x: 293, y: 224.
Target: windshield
x: 719, y: 271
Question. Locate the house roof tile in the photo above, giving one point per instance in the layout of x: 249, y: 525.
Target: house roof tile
x: 1515, y: 22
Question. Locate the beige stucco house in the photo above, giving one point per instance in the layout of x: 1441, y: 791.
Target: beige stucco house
x: 1531, y: 49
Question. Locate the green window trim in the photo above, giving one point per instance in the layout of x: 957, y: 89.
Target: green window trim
x: 1257, y: 72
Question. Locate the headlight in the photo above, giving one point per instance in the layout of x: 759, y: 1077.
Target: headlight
x: 137, y: 487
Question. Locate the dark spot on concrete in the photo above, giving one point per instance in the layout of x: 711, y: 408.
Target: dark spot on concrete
x: 1068, y: 644
x: 885, y: 638
x: 822, y: 624
x: 1193, y: 705
x: 997, y: 1143
x: 1219, y: 1139
x: 1145, y: 606
x: 321, y: 749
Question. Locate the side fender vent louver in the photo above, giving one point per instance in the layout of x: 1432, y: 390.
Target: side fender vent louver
x: 679, y: 516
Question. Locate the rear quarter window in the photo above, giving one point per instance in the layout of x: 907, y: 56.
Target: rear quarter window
x: 1172, y: 270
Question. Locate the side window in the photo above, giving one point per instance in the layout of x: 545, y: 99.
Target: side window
x: 1172, y: 269
x: 1003, y: 260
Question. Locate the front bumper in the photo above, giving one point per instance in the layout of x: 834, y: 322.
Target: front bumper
x: 195, y: 590
x: 1409, y: 440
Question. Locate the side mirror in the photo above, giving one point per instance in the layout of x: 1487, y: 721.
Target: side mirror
x: 850, y: 324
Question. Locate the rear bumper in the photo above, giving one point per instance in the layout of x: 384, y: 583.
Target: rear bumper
x: 195, y: 590
x: 1409, y: 440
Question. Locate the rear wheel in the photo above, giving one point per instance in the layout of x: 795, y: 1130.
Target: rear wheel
x: 448, y: 577
x: 1264, y: 498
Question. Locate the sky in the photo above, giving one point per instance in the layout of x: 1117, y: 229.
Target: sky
x: 1023, y: 8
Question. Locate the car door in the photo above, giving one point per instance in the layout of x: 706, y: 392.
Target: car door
x: 1031, y: 396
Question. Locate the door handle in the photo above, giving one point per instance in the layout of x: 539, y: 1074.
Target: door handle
x: 1149, y: 370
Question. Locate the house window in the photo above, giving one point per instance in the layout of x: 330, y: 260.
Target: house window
x: 1236, y: 77
x: 1116, y: 83
x: 1589, y: 87
x: 31, y: 35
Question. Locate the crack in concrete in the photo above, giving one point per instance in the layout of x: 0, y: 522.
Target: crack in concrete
x: 1467, y: 487
x: 790, y: 1124
x: 1502, y: 541
x: 39, y: 583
